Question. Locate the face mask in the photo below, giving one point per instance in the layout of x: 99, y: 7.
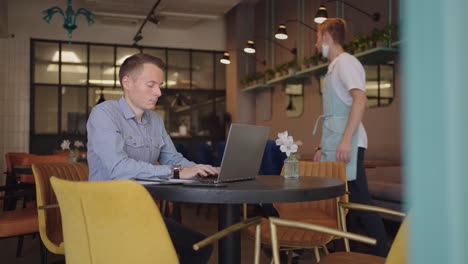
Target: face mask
x: 325, y: 49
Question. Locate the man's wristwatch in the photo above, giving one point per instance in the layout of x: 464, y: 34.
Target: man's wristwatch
x: 318, y: 148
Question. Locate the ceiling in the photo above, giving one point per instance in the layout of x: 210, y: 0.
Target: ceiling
x: 176, y: 14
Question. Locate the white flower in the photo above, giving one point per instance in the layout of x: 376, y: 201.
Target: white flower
x: 289, y: 148
x: 286, y: 143
x: 281, y: 138
x: 78, y: 144
x: 65, y: 144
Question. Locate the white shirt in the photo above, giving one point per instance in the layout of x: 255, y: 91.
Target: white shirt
x: 351, y: 75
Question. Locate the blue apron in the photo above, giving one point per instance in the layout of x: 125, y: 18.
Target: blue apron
x: 335, y: 117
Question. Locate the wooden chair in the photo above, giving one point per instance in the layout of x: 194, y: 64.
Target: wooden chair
x: 324, y: 212
x: 50, y: 223
x: 397, y: 254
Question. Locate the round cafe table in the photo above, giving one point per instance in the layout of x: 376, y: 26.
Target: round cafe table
x: 264, y: 189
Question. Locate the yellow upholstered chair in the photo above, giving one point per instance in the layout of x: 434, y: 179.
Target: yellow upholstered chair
x: 50, y: 223
x: 112, y: 222
x: 397, y: 254
x: 323, y: 212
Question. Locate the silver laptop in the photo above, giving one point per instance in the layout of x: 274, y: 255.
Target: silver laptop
x: 242, y: 155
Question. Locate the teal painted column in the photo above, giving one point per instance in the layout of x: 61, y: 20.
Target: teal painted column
x: 435, y: 114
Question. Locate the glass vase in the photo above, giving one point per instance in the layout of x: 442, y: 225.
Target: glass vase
x: 291, y: 167
x: 72, y: 157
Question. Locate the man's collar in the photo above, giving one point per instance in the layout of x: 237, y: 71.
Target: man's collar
x: 127, y: 111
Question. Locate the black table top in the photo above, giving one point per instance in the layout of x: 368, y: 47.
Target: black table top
x: 265, y: 189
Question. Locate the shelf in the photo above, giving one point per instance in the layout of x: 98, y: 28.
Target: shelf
x: 257, y: 87
x: 373, y: 56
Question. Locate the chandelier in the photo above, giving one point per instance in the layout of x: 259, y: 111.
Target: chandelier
x: 69, y: 16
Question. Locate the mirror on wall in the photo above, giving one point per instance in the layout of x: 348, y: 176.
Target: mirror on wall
x: 294, y: 99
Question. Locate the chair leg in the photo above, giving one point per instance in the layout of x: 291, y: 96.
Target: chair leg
x: 325, y: 249
x: 317, y: 254
x: 19, y: 246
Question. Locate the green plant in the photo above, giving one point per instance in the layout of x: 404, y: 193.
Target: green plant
x: 291, y: 64
x: 269, y: 73
x: 280, y: 67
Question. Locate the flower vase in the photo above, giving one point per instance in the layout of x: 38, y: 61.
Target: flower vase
x: 291, y: 167
x: 72, y: 157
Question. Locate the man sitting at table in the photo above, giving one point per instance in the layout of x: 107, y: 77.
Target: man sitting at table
x: 125, y: 139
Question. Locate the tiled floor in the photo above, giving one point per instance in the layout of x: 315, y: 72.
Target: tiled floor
x: 205, y: 222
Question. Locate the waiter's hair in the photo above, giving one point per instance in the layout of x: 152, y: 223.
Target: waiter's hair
x: 336, y: 27
x: 134, y: 64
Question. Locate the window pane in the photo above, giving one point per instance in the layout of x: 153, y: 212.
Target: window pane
x: 178, y: 69
x: 108, y: 93
x: 160, y: 53
x: 202, y: 70
x: 74, y: 64
x: 46, y: 69
x: 102, y: 66
x: 74, y: 110
x: 45, y: 110
x: 220, y: 71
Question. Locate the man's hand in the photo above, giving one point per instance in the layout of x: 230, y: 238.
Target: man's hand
x: 343, y: 151
x: 317, y: 155
x: 200, y: 169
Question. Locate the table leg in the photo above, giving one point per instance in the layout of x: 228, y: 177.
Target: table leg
x: 229, y: 250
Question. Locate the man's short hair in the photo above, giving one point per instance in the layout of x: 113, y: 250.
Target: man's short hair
x: 134, y: 64
x: 336, y: 27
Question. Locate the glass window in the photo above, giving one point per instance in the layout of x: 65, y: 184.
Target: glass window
x: 101, y: 63
x: 74, y: 64
x: 379, y: 85
x: 73, y: 110
x: 107, y: 94
x: 45, y: 110
x: 202, y: 70
x: 220, y: 73
x: 45, y: 67
x: 178, y: 73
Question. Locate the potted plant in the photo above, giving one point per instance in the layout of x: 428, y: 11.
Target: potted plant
x: 291, y: 67
x: 269, y: 74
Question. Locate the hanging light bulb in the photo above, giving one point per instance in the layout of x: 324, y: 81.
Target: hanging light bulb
x: 290, y: 106
x: 226, y: 58
x: 281, y: 32
x: 250, y: 47
x: 321, y: 15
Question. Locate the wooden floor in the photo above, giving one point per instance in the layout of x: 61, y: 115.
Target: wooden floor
x: 205, y: 222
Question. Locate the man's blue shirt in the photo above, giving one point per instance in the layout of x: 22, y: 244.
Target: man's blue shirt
x: 121, y: 147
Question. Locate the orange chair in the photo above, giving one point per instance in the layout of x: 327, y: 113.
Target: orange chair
x: 20, y: 222
x: 323, y: 212
x: 50, y: 223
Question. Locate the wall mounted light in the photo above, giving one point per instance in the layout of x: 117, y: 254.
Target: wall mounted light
x: 69, y: 16
x: 281, y: 33
x: 226, y: 59
x: 250, y: 47
x: 322, y: 13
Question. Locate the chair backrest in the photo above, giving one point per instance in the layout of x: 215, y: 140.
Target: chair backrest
x: 398, y: 251
x: 112, y: 222
x: 321, y: 169
x: 16, y: 158
x: 273, y: 159
x: 50, y: 223
x: 205, y: 154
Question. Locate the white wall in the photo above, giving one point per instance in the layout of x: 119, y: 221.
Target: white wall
x: 25, y: 22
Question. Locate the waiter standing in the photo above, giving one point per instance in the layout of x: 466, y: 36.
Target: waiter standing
x: 343, y: 135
